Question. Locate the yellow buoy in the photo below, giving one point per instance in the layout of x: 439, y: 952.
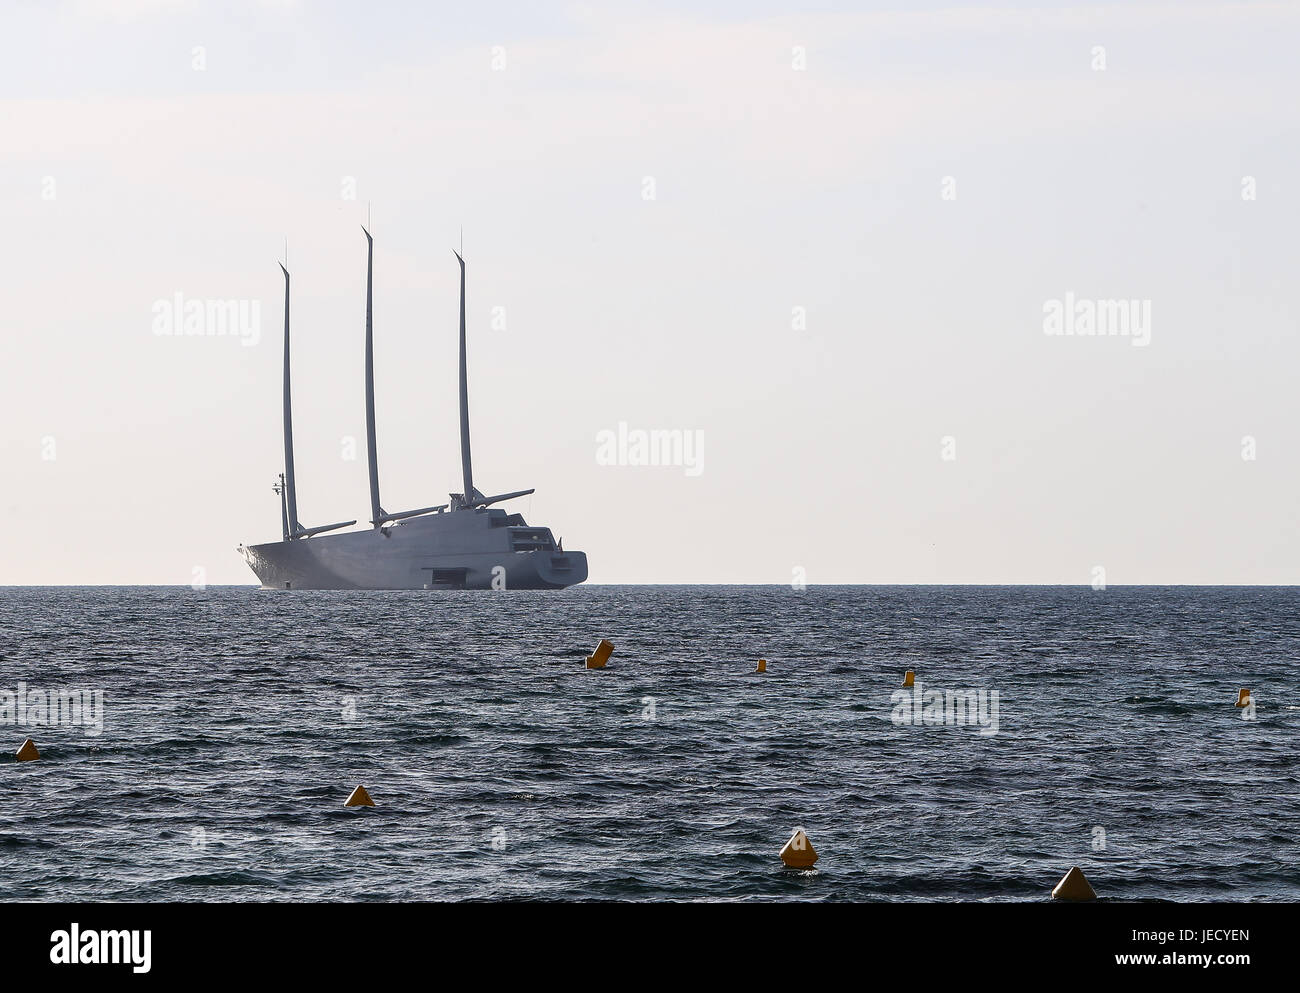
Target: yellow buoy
x: 27, y: 751
x: 762, y: 665
x: 909, y: 678
x: 1073, y: 887
x: 1243, y: 698
x: 798, y: 852
x: 359, y: 798
x: 598, y: 658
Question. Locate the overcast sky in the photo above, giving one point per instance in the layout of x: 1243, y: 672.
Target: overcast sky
x: 825, y: 240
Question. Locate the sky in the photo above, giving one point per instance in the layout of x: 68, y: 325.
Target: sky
x: 829, y: 244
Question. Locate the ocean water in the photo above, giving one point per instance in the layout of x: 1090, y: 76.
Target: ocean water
x: 236, y: 722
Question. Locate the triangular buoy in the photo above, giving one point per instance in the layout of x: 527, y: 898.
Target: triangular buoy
x: 598, y: 658
x: 909, y: 678
x: 762, y: 665
x: 359, y: 798
x: 1074, y: 887
x: 798, y: 852
x: 27, y: 751
x: 1243, y: 698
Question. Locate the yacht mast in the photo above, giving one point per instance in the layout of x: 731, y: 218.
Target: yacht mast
x: 376, y: 511
x: 290, y: 489
x: 467, y: 472
x: 289, y: 507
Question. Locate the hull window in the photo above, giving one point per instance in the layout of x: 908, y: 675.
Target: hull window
x: 446, y: 579
x: 531, y: 540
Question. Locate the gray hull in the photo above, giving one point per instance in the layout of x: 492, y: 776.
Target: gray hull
x: 463, y: 549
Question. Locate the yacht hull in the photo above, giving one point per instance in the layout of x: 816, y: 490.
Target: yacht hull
x: 459, y: 550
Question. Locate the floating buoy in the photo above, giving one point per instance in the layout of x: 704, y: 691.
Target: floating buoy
x: 598, y: 658
x: 1243, y: 698
x: 798, y: 852
x: 909, y: 678
x: 359, y: 798
x: 762, y: 665
x: 27, y: 751
x: 1073, y: 887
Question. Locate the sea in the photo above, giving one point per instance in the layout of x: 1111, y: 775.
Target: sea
x: 199, y: 745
